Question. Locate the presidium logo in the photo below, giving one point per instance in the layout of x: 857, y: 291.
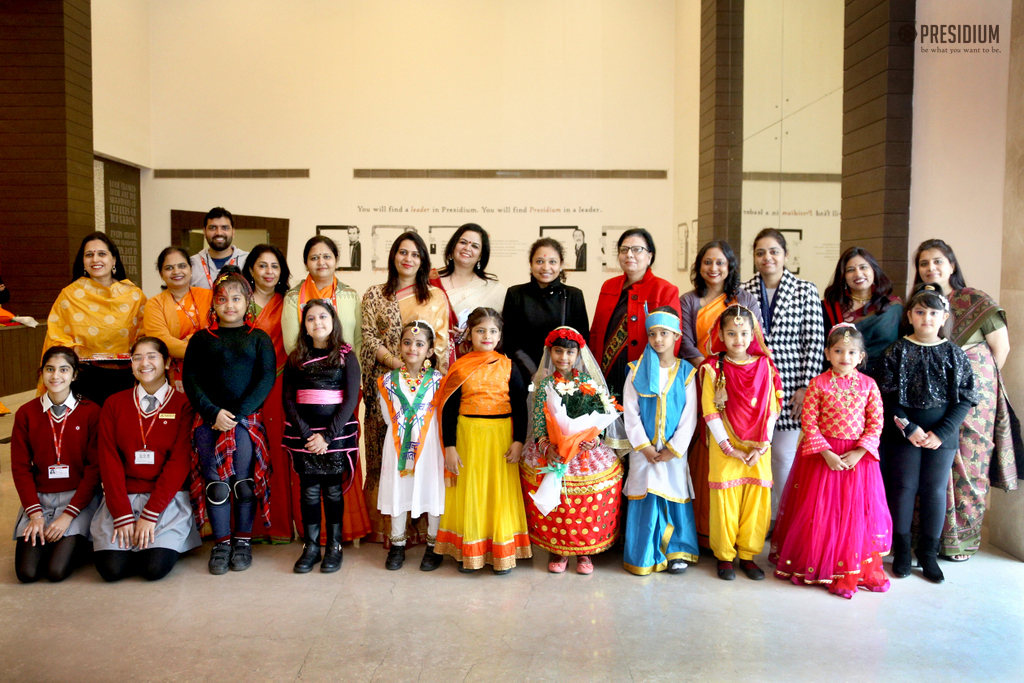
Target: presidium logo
x: 961, y: 38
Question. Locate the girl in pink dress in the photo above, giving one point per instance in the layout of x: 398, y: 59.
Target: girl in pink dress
x: 833, y: 526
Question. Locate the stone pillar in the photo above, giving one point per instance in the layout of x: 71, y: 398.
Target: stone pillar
x: 1005, y: 517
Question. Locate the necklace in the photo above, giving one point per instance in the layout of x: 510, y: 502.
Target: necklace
x: 413, y: 383
x: 847, y: 396
x: 858, y: 299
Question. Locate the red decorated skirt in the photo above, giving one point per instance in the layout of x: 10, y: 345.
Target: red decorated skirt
x: 586, y: 520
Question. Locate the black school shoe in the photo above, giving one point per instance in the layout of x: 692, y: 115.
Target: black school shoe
x: 751, y: 569
x: 676, y: 567
x: 241, y: 556
x: 396, y: 558
x: 219, y: 558
x: 725, y: 571
x: 502, y: 572
x: 431, y: 560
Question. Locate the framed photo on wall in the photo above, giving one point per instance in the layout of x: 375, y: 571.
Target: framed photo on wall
x: 574, y: 244
x: 437, y: 240
x: 381, y: 239
x: 794, y: 238
x: 350, y: 248
x: 609, y: 244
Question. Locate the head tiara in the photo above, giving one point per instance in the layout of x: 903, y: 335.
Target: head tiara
x: 565, y: 333
x: 416, y: 324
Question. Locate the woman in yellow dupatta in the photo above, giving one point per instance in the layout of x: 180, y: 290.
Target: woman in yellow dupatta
x: 321, y: 257
x: 98, y: 315
x: 716, y: 280
x: 178, y: 312
x: 406, y: 296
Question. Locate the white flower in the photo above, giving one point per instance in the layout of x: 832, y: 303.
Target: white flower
x: 566, y: 388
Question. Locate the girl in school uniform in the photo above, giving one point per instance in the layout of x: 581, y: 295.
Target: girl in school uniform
x: 928, y: 388
x: 229, y: 372
x: 741, y: 391
x: 483, y: 423
x: 145, y: 520
x: 321, y: 391
x: 834, y: 526
x: 53, y: 463
x: 412, y: 469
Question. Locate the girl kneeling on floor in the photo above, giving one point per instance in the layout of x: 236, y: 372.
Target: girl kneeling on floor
x: 321, y: 391
x: 741, y: 393
x: 230, y: 369
x: 833, y: 526
x: 53, y: 463
x: 412, y: 469
x: 145, y: 520
x: 483, y: 423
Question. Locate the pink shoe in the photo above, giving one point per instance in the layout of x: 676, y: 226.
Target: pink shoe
x: 843, y: 593
x: 557, y: 564
x: 584, y: 565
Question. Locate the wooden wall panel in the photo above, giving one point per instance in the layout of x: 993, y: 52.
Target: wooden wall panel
x: 46, y: 183
x: 878, y: 86
x: 720, y: 182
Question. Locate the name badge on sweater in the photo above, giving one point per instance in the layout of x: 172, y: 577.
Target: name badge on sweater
x: 59, y: 471
x: 145, y: 458
x: 167, y: 416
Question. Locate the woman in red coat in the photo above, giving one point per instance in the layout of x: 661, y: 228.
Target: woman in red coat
x: 617, y: 333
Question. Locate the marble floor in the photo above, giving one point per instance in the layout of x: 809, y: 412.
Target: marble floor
x: 365, y: 623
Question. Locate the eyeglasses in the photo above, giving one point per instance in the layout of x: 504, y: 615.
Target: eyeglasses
x: 636, y: 251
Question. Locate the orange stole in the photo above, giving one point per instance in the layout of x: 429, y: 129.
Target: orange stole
x: 309, y: 291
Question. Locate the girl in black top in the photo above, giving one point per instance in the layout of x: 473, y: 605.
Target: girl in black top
x: 321, y: 391
x: 928, y: 387
x: 532, y: 310
x: 229, y: 371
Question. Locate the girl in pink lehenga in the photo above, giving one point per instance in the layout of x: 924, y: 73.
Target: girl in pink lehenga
x: 833, y: 524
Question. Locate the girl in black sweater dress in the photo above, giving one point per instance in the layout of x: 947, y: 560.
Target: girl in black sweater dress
x: 321, y: 391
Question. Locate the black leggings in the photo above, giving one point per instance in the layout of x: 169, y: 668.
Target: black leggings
x: 330, y: 487
x: 913, y: 472
x: 151, y: 564
x: 56, y: 560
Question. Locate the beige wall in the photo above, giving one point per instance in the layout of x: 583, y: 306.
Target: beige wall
x: 121, y: 80
x: 1005, y: 519
x: 959, y: 147
x: 687, y: 138
x: 333, y: 86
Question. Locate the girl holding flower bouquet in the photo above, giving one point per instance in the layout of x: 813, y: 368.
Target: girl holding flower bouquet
x: 586, y: 519
x: 660, y: 400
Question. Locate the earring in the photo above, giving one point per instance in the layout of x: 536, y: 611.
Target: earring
x: 478, y: 266
x: 426, y: 364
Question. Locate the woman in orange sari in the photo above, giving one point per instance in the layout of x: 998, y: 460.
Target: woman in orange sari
x: 178, y: 312
x: 716, y: 286
x: 321, y: 258
x: 268, y: 275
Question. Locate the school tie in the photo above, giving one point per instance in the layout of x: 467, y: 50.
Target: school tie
x: 58, y: 410
x: 150, y: 402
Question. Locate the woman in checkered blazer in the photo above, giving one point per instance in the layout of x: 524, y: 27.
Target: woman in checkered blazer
x: 793, y: 328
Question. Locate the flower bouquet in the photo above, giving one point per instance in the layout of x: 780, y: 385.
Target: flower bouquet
x: 575, y: 411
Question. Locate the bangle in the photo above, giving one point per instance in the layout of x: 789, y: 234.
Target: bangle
x: 385, y: 360
x: 727, y: 447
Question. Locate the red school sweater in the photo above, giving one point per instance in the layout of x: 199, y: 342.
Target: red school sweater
x: 32, y: 453
x: 120, y: 436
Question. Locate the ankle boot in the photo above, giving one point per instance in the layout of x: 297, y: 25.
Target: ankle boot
x: 332, y: 554
x: 396, y: 558
x: 310, y: 549
x: 901, y: 555
x: 927, y: 556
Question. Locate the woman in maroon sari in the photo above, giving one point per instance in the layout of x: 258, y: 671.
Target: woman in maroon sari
x: 986, y: 454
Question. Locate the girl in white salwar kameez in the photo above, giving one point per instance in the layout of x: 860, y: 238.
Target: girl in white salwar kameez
x: 412, y: 466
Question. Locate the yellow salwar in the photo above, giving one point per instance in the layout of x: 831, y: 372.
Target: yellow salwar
x: 484, y: 520
x: 740, y: 516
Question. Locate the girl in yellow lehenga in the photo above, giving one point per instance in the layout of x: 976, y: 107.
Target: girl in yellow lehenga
x: 716, y: 285
x: 483, y: 424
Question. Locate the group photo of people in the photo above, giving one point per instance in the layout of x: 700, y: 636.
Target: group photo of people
x: 250, y: 402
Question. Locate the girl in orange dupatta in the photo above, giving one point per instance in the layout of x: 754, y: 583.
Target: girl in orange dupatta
x: 178, y: 312
x: 483, y: 424
x: 716, y: 285
x: 267, y: 273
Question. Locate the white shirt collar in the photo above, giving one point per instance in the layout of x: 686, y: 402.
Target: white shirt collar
x: 70, y: 401
x: 160, y: 395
